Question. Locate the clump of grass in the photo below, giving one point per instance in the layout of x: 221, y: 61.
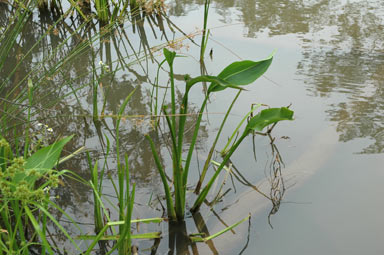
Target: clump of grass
x: 125, y: 196
x: 25, y: 200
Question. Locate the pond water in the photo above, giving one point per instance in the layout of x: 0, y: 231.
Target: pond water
x: 329, y: 65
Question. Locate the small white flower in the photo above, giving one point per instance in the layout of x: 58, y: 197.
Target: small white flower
x: 30, y: 83
x: 101, y: 63
x: 39, y: 124
x: 46, y: 189
x: 106, y: 68
x: 46, y: 126
x: 50, y: 130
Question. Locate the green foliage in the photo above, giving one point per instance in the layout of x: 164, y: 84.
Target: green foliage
x: 205, y: 36
x: 267, y: 117
x: 25, y: 181
x: 18, y: 178
x: 234, y: 76
x: 242, y: 73
x: 41, y: 162
x: 23, y: 201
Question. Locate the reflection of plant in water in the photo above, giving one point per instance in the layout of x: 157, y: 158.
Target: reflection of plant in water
x: 347, y: 59
x: 276, y: 180
x: 349, y: 64
x: 59, y: 59
x: 62, y: 83
x: 276, y: 189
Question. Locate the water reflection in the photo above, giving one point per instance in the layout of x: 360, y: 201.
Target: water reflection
x: 63, y: 59
x: 350, y: 63
x: 342, y: 48
x: 346, y: 61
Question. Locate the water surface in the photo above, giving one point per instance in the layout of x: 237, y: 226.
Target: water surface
x: 329, y: 65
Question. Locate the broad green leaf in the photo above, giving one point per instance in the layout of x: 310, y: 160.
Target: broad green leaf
x: 242, y: 73
x: 169, y: 56
x: 267, y: 117
x: 47, y: 157
x: 43, y: 160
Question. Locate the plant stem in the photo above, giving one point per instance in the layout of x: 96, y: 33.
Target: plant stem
x: 193, y: 142
x: 204, y: 40
x: 200, y: 199
x: 168, y: 196
x: 210, y: 154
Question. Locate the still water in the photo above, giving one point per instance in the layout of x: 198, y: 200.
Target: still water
x: 329, y: 65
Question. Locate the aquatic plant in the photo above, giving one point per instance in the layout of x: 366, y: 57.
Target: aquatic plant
x: 25, y: 198
x: 257, y: 123
x: 233, y: 76
x: 20, y: 97
x: 125, y: 196
x: 105, y: 11
x: 27, y: 203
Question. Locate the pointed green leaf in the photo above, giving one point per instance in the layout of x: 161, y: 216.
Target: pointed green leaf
x: 42, y: 160
x: 267, y: 117
x: 242, y: 73
x: 169, y: 56
x: 48, y: 156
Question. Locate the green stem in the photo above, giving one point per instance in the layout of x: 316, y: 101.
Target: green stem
x: 193, y: 142
x: 224, y: 151
x: 210, y: 154
x: 177, y: 173
x: 200, y: 199
x: 203, y: 39
x: 182, y: 121
x: 170, y: 208
x: 173, y: 99
x: 30, y: 98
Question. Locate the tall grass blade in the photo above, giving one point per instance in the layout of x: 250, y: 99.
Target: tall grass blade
x: 205, y: 239
x: 168, y: 196
x: 38, y: 230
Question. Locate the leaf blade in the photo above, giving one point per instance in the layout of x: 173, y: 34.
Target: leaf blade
x: 267, y: 117
x: 242, y: 73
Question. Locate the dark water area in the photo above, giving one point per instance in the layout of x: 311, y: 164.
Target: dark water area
x: 325, y: 197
